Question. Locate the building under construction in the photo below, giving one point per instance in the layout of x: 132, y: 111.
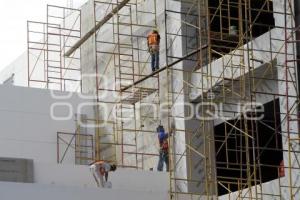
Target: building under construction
x: 227, y: 88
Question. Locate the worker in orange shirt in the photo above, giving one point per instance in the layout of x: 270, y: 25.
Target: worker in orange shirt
x: 153, y: 41
x: 99, y: 170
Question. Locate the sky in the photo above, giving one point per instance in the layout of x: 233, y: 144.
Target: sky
x: 13, y: 21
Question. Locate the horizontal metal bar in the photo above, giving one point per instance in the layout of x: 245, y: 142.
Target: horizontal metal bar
x: 94, y: 29
x: 164, y: 68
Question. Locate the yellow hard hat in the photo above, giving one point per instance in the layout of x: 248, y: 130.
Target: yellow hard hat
x: 155, y: 30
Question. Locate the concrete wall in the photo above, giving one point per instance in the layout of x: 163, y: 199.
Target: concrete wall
x: 35, y: 59
x: 281, y: 89
x: 29, y: 132
x: 107, y: 66
x: 265, y: 191
x: 36, y: 191
x: 89, y: 63
x: 88, y: 50
x: 19, y: 69
x: 27, y: 128
x: 80, y: 176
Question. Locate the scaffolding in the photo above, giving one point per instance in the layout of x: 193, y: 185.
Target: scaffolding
x: 124, y: 57
x: 75, y: 145
x: 226, y: 89
x: 234, y: 70
x: 47, y: 42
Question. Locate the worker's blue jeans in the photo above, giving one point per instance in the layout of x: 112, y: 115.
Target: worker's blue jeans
x: 155, y: 60
x: 163, y: 158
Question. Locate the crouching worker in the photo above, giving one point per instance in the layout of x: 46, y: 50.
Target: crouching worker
x: 100, y: 170
x: 163, y: 148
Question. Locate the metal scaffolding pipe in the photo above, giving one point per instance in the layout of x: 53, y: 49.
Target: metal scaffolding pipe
x: 297, y: 25
x: 164, y: 68
x: 94, y: 29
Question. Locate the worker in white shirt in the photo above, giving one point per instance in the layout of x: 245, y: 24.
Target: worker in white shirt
x: 100, y: 170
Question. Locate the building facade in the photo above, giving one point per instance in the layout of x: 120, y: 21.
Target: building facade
x: 227, y: 89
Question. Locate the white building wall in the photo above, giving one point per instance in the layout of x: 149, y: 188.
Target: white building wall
x: 45, y: 126
x: 80, y: 176
x: 27, y: 128
x: 45, y: 192
x: 289, y: 129
x: 19, y: 68
x: 28, y: 131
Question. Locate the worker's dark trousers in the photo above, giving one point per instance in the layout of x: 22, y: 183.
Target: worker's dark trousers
x: 163, y: 158
x: 155, y: 60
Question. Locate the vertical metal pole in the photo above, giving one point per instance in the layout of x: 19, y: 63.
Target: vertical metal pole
x: 167, y: 71
x: 80, y: 33
x: 45, y: 37
x: 57, y: 147
x: 28, y: 52
x: 97, y: 135
x: 47, y: 48
x: 287, y: 99
x: 297, y: 68
x: 60, y: 58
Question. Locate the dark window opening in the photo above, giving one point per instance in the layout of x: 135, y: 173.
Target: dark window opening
x: 226, y: 24
x: 264, y: 152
